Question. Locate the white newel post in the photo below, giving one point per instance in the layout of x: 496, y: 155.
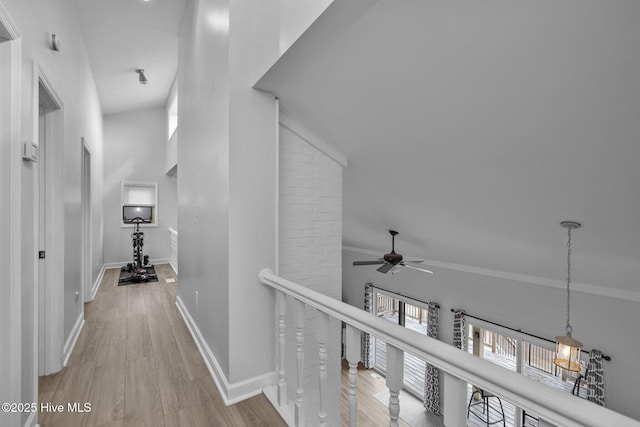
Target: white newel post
x: 323, y: 334
x: 395, y: 379
x: 281, y: 310
x: 353, y: 341
x: 299, y: 412
x: 455, y: 401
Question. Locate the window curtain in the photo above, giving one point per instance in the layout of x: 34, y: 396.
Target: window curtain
x: 459, y: 339
x: 595, y: 378
x: 431, y: 378
x: 366, y: 338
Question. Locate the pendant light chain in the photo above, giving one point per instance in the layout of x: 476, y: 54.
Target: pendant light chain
x: 569, y: 328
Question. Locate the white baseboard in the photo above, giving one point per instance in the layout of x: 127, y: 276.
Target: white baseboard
x: 231, y: 393
x: 73, y: 338
x: 286, y: 412
x: 96, y: 284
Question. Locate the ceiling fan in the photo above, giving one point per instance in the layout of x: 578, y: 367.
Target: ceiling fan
x: 392, y: 259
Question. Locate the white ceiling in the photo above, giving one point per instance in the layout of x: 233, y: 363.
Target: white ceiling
x: 475, y: 127
x: 123, y: 35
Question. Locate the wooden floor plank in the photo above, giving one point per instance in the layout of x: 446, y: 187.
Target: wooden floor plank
x: 137, y: 365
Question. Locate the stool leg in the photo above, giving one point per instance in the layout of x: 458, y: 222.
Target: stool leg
x: 502, y: 410
x: 486, y: 406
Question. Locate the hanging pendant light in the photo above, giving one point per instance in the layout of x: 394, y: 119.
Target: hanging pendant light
x: 568, y: 349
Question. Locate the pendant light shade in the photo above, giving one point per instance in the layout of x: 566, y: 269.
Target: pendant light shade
x: 567, y: 354
x: 568, y: 349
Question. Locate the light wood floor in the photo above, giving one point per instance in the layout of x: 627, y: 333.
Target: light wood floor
x: 137, y: 365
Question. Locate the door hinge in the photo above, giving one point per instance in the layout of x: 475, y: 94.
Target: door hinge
x: 41, y: 254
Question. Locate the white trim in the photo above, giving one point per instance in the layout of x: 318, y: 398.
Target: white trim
x: 73, y: 338
x: 277, y: 189
x: 96, y: 284
x: 54, y: 239
x: 231, y: 393
x: 318, y: 142
x: 173, y: 242
x: 13, y: 243
x: 87, y: 222
x: 8, y: 24
x: 287, y: 412
x: 586, y: 288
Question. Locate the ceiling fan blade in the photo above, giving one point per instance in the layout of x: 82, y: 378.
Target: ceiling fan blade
x: 416, y: 261
x: 416, y: 268
x: 385, y: 268
x: 368, y: 262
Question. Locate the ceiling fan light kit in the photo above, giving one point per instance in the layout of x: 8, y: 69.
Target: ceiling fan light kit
x: 568, y: 349
x: 392, y: 261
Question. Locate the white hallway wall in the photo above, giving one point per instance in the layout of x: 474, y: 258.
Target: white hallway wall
x: 69, y: 73
x: 604, y: 323
x: 227, y: 165
x: 135, y: 151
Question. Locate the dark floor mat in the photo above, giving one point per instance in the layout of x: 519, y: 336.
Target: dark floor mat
x: 125, y: 276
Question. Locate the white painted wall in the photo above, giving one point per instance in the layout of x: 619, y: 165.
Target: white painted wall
x: 137, y: 142
x: 253, y: 180
x: 310, y: 223
x: 227, y: 187
x: 69, y: 73
x: 203, y: 156
x: 285, y: 20
x: 604, y: 323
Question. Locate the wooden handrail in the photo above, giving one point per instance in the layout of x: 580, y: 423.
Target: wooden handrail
x: 554, y: 406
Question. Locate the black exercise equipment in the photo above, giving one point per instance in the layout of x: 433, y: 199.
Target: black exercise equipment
x: 139, y: 267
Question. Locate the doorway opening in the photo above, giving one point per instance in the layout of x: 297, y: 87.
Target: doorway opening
x: 85, y: 202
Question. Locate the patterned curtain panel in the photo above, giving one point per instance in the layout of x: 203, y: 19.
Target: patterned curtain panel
x: 595, y: 378
x: 431, y: 379
x: 459, y: 339
x: 366, y: 339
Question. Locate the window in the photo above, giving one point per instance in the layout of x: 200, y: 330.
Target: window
x: 400, y: 311
x: 140, y: 194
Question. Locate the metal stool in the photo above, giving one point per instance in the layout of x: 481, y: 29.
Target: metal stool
x: 483, y: 399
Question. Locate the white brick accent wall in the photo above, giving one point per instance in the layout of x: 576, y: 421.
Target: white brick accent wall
x: 310, y: 187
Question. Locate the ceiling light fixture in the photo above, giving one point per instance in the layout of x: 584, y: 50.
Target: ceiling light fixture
x: 568, y: 349
x: 142, y: 79
x: 55, y: 43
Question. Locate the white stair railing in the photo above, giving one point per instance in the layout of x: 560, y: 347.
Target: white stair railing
x: 554, y: 407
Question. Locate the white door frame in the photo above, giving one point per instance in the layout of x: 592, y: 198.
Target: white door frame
x: 10, y: 230
x: 85, y: 202
x: 51, y: 292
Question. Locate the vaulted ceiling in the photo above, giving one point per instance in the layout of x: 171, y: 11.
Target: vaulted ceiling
x: 475, y: 127
x: 124, y: 35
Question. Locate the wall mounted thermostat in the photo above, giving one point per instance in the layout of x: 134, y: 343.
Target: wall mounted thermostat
x: 30, y: 151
